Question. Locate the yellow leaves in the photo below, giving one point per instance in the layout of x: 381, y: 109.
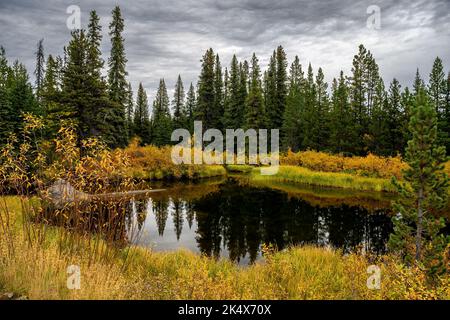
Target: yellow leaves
x: 370, y: 166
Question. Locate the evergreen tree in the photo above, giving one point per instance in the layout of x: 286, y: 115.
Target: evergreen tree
x: 255, y: 115
x: 281, y: 82
x: 117, y: 73
x: 39, y: 72
x: 396, y: 120
x: 141, y: 117
x: 437, y: 90
x: 161, y: 118
x: 308, y: 112
x: 218, y: 93
x: 422, y: 194
x: 189, y: 109
x: 270, y: 92
x: 234, y: 112
x: 205, y: 111
x: 291, y: 137
x: 321, y: 126
x: 129, y: 114
x: 6, y: 110
x: 342, y: 133
x: 179, y: 119
x: 418, y: 84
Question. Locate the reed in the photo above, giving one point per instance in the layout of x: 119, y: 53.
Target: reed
x: 325, y: 179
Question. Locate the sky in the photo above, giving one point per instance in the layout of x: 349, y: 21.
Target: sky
x: 166, y: 38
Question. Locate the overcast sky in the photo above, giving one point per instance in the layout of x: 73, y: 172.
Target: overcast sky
x: 166, y: 38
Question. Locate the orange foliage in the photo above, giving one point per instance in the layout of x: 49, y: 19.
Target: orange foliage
x: 369, y: 166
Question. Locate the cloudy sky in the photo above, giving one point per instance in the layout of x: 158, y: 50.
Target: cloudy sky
x: 165, y: 38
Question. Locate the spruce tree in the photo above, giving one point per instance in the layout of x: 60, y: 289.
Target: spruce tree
x: 234, y: 111
x: 117, y: 74
x: 270, y: 92
x: 179, y: 119
x: 255, y: 112
x: 422, y: 194
x: 6, y: 109
x: 39, y: 72
x: 291, y: 136
x: 321, y: 126
x: 218, y: 94
x: 437, y: 90
x: 189, y: 109
x: 161, y: 118
x: 206, y: 93
x: 342, y: 133
x: 141, y: 117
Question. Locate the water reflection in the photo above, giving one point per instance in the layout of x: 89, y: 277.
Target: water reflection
x: 232, y: 219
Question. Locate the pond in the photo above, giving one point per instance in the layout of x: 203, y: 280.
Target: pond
x: 232, y: 217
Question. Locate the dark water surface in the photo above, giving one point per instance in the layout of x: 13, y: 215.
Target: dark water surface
x: 233, y: 217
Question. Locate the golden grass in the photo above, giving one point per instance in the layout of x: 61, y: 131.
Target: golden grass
x: 325, y: 179
x: 40, y: 272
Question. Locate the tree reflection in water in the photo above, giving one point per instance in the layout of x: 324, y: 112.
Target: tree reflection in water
x: 234, y: 219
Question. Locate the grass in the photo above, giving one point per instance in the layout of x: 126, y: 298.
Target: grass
x: 137, y: 273
x: 325, y: 179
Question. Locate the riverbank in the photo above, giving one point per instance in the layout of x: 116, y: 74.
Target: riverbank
x: 305, y: 176
x: 109, y: 272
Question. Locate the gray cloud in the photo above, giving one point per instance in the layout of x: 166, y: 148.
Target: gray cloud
x: 167, y: 38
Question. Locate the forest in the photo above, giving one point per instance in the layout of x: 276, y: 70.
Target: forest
x: 356, y: 114
x: 363, y: 179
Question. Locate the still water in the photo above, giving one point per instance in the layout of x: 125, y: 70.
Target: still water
x: 233, y: 217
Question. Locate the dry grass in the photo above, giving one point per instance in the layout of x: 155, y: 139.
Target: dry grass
x: 325, y: 179
x: 39, y: 271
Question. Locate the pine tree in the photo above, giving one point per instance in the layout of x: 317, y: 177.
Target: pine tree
x: 6, y: 109
x: 308, y: 112
x: 141, y: 117
x: 377, y: 140
x: 129, y: 114
x: 437, y: 91
x: 291, y: 136
x: 53, y: 109
x: 39, y: 72
x: 276, y: 89
x: 218, y: 94
x: 189, y: 109
x: 161, y: 118
x: 206, y: 93
x: 234, y: 111
x: 117, y: 73
x: 270, y: 92
x: 422, y: 194
x: 396, y: 120
x: 342, y: 133
x: 255, y: 115
x: 363, y: 86
x: 75, y: 95
x: 321, y: 127
x: 179, y: 119
x: 418, y: 84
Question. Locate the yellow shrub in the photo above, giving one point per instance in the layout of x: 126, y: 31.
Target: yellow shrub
x: 370, y: 166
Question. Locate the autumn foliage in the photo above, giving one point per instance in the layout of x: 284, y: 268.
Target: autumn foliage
x: 369, y: 166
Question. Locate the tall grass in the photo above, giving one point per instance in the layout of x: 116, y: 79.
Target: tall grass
x: 325, y: 179
x: 155, y: 163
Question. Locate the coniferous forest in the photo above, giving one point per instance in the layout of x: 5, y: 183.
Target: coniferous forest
x: 356, y: 114
x: 94, y: 205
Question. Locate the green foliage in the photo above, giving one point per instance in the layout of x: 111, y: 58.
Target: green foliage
x: 422, y: 194
x: 141, y: 126
x: 161, y: 118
